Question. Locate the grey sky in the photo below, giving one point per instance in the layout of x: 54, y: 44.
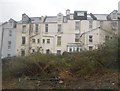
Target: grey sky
x: 36, y: 8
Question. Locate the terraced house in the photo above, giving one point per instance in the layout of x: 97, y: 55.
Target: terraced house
x: 8, y: 38
x: 73, y: 32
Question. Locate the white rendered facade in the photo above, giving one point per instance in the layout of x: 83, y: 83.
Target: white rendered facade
x: 74, y: 32
x: 8, y: 38
x: 58, y: 34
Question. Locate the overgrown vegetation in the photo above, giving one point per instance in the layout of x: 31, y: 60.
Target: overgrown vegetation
x: 66, y: 67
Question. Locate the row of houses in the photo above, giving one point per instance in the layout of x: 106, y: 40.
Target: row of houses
x: 73, y: 32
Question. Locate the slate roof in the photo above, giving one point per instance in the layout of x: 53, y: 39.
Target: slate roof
x: 89, y: 17
x: 101, y: 16
x: 35, y: 19
x: 50, y: 19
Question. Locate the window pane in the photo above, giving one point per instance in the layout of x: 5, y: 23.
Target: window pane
x: 23, y: 28
x: 48, y: 41
x: 77, y: 25
x: 90, y: 24
x: 90, y: 38
x: 59, y: 28
x: 22, y: 52
x: 77, y: 49
x: 36, y: 27
x: 48, y: 51
x: 43, y: 40
x: 80, y: 13
x: 58, y: 52
x: 59, y: 40
x: 33, y: 40
x: 77, y: 36
x: 90, y: 47
x: 33, y: 50
x: 38, y: 41
x: 46, y: 27
x: 9, y: 44
x: 23, y: 40
x: 10, y: 32
x: 70, y: 50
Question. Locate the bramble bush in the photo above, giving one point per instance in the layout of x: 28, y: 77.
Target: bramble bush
x: 72, y: 64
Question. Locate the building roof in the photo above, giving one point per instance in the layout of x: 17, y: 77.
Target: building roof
x: 50, y: 19
x: 1, y: 24
x: 35, y: 19
x: 101, y: 16
x: 89, y: 17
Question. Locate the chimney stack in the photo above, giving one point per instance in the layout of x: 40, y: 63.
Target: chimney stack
x: 67, y: 12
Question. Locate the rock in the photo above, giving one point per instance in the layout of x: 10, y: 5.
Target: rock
x: 60, y: 81
x: 113, y: 83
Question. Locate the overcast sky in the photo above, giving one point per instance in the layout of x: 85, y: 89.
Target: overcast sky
x: 36, y: 8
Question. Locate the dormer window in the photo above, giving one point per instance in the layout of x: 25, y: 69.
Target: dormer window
x: 23, y: 28
x: 80, y: 13
x: 114, y: 16
x: 60, y: 17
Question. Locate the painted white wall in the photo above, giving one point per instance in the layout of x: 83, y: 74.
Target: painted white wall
x: 5, y: 51
x: 19, y: 35
x: 67, y: 35
x: 0, y: 37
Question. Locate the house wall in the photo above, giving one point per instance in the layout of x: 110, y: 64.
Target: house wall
x: 8, y: 52
x: 99, y: 30
x: 19, y: 35
x: 0, y: 37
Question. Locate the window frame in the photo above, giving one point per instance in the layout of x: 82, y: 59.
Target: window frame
x: 90, y: 48
x: 58, y: 52
x: 59, y: 27
x: 9, y: 44
x: 43, y: 41
x: 23, y: 40
x: 77, y: 25
x: 10, y: 32
x: 59, y: 40
x: 24, y: 28
x: 77, y: 39
x: 22, y: 52
x: 90, y: 24
x: 46, y: 28
x: 33, y: 41
x: 38, y: 40
x: 90, y: 38
x: 48, y: 41
x: 36, y: 27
